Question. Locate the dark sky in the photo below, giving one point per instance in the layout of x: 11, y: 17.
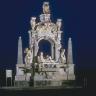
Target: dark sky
x: 78, y: 23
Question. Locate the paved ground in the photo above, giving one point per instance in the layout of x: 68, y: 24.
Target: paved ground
x: 39, y: 92
x: 39, y: 88
x: 52, y: 91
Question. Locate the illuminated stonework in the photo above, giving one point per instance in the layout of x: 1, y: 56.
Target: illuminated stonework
x: 54, y: 68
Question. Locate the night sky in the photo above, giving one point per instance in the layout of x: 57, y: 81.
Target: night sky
x: 77, y: 22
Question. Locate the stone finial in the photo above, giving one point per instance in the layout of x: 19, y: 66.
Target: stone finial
x: 59, y: 24
x: 33, y: 22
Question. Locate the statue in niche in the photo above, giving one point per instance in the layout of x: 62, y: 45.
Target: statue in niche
x: 59, y: 24
x: 28, y: 57
x: 33, y: 22
x: 41, y: 58
x: 62, y: 56
x: 46, y: 9
x: 49, y: 59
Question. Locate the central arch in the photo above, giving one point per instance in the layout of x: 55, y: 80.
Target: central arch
x: 47, y: 46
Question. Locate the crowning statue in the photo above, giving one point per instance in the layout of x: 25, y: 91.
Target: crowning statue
x: 50, y: 60
x: 46, y: 30
x: 46, y: 9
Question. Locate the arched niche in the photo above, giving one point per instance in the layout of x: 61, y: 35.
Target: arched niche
x: 45, y: 47
x: 52, y: 45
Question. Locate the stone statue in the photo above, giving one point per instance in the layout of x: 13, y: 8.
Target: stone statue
x: 47, y: 58
x: 59, y: 24
x: 46, y: 9
x: 33, y: 22
x: 41, y: 58
x: 54, y: 28
x: 28, y: 57
x: 50, y: 59
x: 62, y: 56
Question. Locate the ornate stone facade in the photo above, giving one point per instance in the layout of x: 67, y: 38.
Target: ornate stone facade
x: 54, y: 68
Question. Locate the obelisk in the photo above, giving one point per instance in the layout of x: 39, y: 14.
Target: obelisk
x: 19, y: 72
x: 20, y: 55
x: 69, y: 54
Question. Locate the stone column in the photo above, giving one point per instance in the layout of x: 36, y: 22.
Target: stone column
x: 29, y: 32
x: 52, y: 51
x: 36, y: 48
x: 56, y: 53
x: 33, y: 51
